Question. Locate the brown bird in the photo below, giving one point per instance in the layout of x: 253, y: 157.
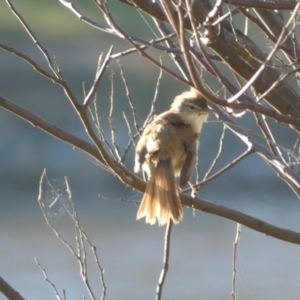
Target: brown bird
x: 167, y: 148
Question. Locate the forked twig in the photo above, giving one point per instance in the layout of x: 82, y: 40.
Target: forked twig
x: 48, y: 280
x: 81, y: 239
x: 223, y: 170
x: 119, y: 32
x: 99, y: 73
x: 48, y: 221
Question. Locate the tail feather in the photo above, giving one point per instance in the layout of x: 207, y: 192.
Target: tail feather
x: 161, y: 199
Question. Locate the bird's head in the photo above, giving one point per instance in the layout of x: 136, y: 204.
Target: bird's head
x: 192, y: 108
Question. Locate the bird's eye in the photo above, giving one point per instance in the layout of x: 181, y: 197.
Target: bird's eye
x: 192, y: 107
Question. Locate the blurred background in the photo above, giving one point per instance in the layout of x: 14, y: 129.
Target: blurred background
x: 129, y: 251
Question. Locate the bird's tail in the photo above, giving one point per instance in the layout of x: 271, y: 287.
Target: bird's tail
x: 161, y: 199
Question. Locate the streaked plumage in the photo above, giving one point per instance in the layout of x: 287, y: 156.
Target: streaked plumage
x: 167, y: 148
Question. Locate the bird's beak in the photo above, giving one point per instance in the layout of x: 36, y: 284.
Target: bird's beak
x: 207, y: 111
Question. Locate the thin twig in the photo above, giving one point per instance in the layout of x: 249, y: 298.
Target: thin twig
x: 154, y: 43
x: 43, y: 209
x: 119, y: 32
x: 131, y: 140
x: 296, y: 149
x: 95, y: 117
x: 217, y: 157
x: 165, y: 268
x: 272, y: 88
x: 224, y: 169
x: 80, y: 237
x: 52, y: 65
x: 48, y: 280
x: 266, y: 132
x: 32, y: 63
x: 151, y: 111
x: 133, y: 110
x: 235, y: 247
x: 116, y: 153
x: 265, y: 29
x: 120, y: 199
x: 176, y: 57
x: 281, y: 39
x: 290, y: 120
x: 99, y: 73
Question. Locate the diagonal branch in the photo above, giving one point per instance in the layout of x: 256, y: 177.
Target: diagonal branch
x: 288, y: 5
x: 8, y: 291
x: 244, y: 219
x: 130, y: 179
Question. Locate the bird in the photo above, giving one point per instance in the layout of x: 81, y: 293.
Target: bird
x: 168, y: 147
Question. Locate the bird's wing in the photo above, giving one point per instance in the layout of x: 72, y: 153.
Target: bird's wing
x: 146, y: 144
x: 140, y: 154
x: 188, y: 164
x: 158, y: 139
